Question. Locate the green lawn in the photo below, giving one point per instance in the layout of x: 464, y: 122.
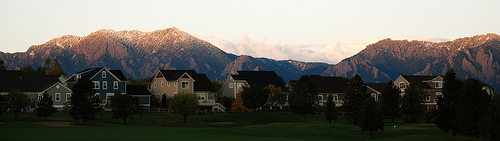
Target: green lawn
x: 249, y: 126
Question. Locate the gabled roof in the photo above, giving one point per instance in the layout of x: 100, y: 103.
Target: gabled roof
x: 26, y: 82
x: 325, y: 84
x: 137, y: 90
x: 203, y: 83
x: 379, y: 87
x: 419, y: 80
x: 263, y: 78
x: 171, y: 75
x: 91, y: 72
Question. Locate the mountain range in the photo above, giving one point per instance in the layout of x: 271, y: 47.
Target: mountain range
x: 139, y: 54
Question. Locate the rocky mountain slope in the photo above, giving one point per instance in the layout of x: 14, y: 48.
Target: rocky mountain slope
x: 139, y: 54
x: 477, y: 57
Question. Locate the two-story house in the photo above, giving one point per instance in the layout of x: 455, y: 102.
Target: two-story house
x: 432, y: 84
x: 106, y: 82
x: 171, y: 82
x: 375, y: 89
x: 235, y: 82
x: 35, y: 84
x: 334, y: 86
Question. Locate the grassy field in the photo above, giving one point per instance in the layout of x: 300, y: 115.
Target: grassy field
x: 260, y: 125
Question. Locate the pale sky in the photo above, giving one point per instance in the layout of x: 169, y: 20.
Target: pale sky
x: 294, y: 29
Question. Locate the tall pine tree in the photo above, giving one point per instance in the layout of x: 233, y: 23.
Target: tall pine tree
x: 447, y: 104
x: 371, y: 118
x: 84, y: 101
x: 490, y: 122
x: 412, y: 107
x: 45, y: 107
x: 473, y: 103
x: 330, y: 111
x: 390, y: 101
x: 356, y: 94
x: 303, y: 96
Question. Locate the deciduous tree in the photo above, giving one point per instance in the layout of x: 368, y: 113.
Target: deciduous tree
x: 447, y: 104
x: 237, y: 104
x: 184, y: 104
x: 330, y: 111
x: 390, y: 101
x: 356, y: 94
x: 45, y: 107
x: 255, y: 96
x: 276, y: 96
x: 303, y: 96
x: 371, y: 118
x: 412, y: 107
x: 16, y: 101
x: 124, y: 106
x: 85, y: 103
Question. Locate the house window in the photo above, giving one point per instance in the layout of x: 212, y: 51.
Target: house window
x: 201, y: 96
x: 185, y: 84
x: 40, y: 97
x: 428, y: 98
x: 115, y: 84
x: 439, y: 95
x: 239, y: 86
x: 162, y: 84
x: 68, y: 96
x: 320, y: 98
x: 231, y: 85
x: 98, y: 95
x: 58, y: 97
x: 109, y: 96
x: 104, y: 84
x: 175, y: 83
x: 335, y: 97
x: 155, y: 84
x: 77, y: 77
x: 104, y: 74
x: 96, y: 84
x: 438, y: 84
x: 168, y: 84
x: 401, y: 85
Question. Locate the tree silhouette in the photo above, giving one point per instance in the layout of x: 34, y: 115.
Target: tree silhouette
x: 16, y: 101
x: 303, y: 96
x: 371, y: 118
x: 473, y: 103
x: 45, y: 107
x: 184, y: 104
x: 412, y: 107
x: 390, y: 101
x: 124, y: 106
x: 85, y: 103
x: 356, y: 94
x: 447, y: 104
x: 255, y: 96
x: 330, y: 111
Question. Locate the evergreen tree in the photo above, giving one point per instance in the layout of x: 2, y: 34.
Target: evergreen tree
x: 255, y: 96
x: 490, y: 122
x: 2, y: 65
x: 164, y: 101
x: 45, y: 107
x: 473, y: 103
x: 330, y: 111
x: 16, y: 101
x: 356, y: 94
x: 412, y: 107
x: 390, y: 101
x: 447, y: 104
x: 371, y: 118
x: 1, y: 104
x: 85, y: 104
x: 155, y: 102
x: 124, y: 106
x: 184, y: 104
x: 303, y: 96
x: 28, y: 68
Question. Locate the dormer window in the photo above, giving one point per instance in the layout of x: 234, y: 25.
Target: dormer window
x: 78, y: 76
x: 185, y: 84
x: 438, y: 84
x: 104, y: 74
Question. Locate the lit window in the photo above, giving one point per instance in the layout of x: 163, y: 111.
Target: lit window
x: 231, y: 85
x: 201, y: 96
x: 58, y: 97
x: 185, y: 84
x: 96, y: 84
x: 438, y: 84
x: 68, y: 96
x: 104, y: 74
x: 115, y: 84
x: 104, y: 84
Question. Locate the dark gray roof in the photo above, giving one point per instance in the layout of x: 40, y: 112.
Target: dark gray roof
x: 202, y: 83
x: 263, y: 78
x: 377, y: 86
x: 324, y: 84
x: 137, y: 90
x: 25, y: 81
x: 90, y: 72
x: 118, y: 74
x: 176, y: 74
x: 419, y: 80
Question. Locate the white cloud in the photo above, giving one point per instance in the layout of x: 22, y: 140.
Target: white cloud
x: 331, y: 52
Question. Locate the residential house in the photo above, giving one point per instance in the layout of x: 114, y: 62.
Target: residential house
x: 432, y: 84
x: 171, y: 82
x: 235, y: 82
x: 35, y: 84
x: 106, y: 82
x: 375, y: 89
x: 142, y: 92
x: 334, y: 86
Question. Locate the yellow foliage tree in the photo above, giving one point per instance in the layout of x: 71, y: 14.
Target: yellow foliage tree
x: 237, y: 104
